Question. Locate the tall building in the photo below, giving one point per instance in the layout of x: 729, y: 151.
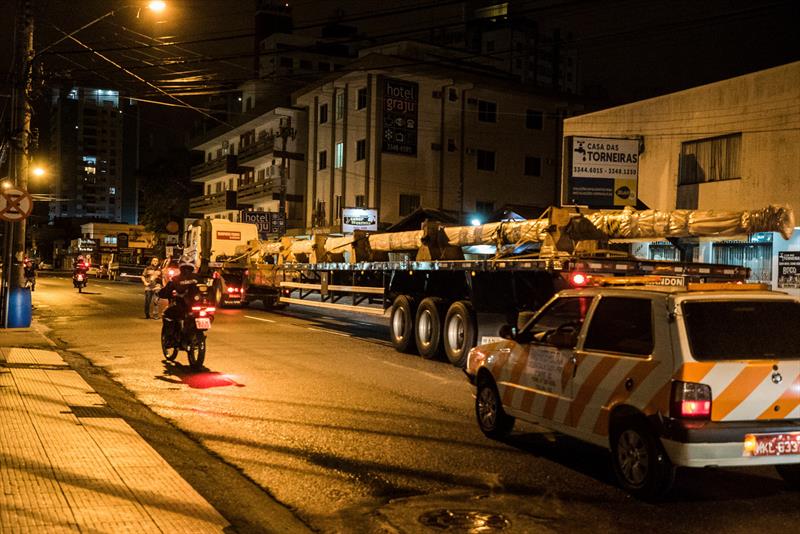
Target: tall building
x: 87, y: 151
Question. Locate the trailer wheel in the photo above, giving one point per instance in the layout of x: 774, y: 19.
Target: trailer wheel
x: 428, y: 328
x: 460, y: 332
x: 401, y: 324
x: 219, y: 294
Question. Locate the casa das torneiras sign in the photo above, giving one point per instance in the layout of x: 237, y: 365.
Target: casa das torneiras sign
x: 268, y: 223
x: 400, y: 116
x: 604, y: 172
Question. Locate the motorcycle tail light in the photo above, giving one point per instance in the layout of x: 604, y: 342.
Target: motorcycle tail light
x: 690, y: 400
x: 211, y: 309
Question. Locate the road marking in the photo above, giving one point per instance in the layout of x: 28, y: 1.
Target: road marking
x: 329, y: 331
x: 259, y: 319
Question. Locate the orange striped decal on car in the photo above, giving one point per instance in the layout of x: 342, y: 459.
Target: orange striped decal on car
x: 785, y: 403
x: 738, y: 390
x: 516, y: 372
x: 588, y: 388
x: 621, y: 393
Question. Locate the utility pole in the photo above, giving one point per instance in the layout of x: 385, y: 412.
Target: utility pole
x: 20, y: 147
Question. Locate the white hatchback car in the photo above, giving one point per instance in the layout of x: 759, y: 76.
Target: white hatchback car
x: 706, y: 375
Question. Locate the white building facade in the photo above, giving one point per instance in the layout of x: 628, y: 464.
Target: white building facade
x: 393, y: 135
x: 243, y: 167
x: 729, y: 145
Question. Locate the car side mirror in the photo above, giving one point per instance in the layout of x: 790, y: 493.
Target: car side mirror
x: 507, y: 331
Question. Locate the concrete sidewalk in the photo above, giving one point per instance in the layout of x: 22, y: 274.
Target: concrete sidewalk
x: 68, y: 463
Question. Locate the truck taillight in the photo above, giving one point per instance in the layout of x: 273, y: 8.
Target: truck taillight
x: 578, y: 279
x: 690, y: 400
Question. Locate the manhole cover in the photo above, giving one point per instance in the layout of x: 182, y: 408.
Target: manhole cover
x: 473, y: 521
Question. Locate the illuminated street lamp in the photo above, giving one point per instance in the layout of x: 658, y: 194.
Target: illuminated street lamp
x: 38, y: 171
x: 156, y: 6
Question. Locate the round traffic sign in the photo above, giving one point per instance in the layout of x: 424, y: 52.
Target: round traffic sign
x: 15, y: 204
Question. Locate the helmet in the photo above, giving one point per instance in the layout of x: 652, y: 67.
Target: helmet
x: 186, y: 265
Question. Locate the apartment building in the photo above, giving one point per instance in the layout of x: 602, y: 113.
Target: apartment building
x: 399, y: 130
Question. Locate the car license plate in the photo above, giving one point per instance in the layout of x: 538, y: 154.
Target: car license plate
x: 202, y: 323
x: 772, y: 444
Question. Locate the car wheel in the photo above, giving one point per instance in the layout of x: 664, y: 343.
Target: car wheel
x: 401, y: 324
x: 640, y: 463
x: 428, y: 328
x: 460, y: 332
x: 790, y: 473
x: 493, y: 421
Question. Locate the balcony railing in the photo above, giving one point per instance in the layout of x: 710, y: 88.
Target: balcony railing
x: 205, y: 203
x: 225, y: 163
x: 265, y: 188
x: 259, y: 148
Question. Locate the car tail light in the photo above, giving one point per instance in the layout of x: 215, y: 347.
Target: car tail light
x: 215, y: 276
x: 578, y: 279
x: 690, y: 400
x: 233, y: 290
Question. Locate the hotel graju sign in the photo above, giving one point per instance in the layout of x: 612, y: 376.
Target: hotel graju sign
x: 400, y: 116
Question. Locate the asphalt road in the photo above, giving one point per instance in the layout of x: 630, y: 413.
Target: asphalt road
x: 323, y: 415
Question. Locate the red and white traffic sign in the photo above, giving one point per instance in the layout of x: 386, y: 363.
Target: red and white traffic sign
x: 15, y: 204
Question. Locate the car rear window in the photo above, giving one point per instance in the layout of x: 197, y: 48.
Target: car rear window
x: 743, y: 329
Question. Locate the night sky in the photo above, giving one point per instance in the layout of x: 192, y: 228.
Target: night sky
x: 627, y: 49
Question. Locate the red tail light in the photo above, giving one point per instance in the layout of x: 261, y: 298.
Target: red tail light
x: 578, y: 279
x: 690, y: 400
x: 211, y: 309
x: 215, y: 276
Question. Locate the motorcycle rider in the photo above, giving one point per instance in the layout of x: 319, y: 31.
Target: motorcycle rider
x: 181, y: 291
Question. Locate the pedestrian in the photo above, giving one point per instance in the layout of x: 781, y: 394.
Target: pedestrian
x: 151, y: 279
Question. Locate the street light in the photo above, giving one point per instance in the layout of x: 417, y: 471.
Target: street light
x: 38, y: 171
x: 156, y: 6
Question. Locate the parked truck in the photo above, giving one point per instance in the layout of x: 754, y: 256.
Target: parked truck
x: 445, y: 289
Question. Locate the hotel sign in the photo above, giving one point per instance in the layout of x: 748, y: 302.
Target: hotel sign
x: 400, y: 110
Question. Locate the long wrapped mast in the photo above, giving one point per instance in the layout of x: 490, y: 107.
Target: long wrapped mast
x: 562, y: 228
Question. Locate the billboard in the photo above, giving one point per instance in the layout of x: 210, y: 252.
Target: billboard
x: 603, y: 172
x: 359, y: 219
x: 788, y: 270
x: 400, y: 108
x: 268, y: 222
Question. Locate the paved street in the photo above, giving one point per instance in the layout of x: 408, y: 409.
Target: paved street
x: 320, y: 412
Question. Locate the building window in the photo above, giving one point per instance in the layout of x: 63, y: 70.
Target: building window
x: 533, y: 166
x: 408, y: 203
x: 324, y: 66
x: 362, y: 98
x: 340, y: 105
x: 208, y: 189
x: 361, y: 149
x: 487, y: 111
x: 262, y: 174
x: 484, y: 207
x: 485, y: 160
x: 323, y: 113
x: 710, y: 160
x: 339, y: 160
x: 323, y: 159
x: 287, y: 62
x: 534, y: 120
x: 360, y: 201
x: 305, y: 64
x: 218, y: 187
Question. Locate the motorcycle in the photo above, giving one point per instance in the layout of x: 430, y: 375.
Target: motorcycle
x: 79, y: 280
x: 191, y: 335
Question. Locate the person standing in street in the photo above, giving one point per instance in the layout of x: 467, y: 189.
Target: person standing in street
x: 151, y: 278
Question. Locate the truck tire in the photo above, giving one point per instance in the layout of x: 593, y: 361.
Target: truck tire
x: 460, y: 332
x: 218, y: 295
x: 428, y: 328
x: 401, y: 324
